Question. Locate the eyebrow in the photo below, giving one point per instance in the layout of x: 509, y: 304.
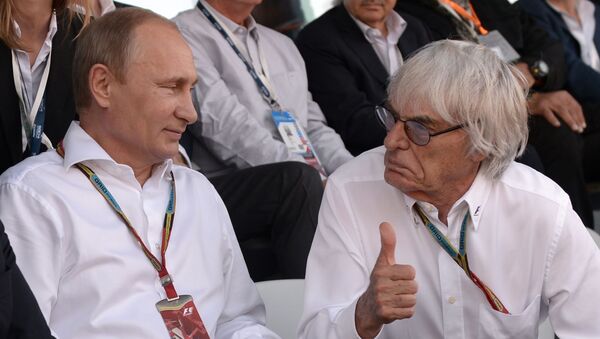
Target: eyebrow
x: 177, y: 80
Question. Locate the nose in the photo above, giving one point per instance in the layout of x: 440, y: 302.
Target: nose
x: 186, y: 110
x: 396, y: 138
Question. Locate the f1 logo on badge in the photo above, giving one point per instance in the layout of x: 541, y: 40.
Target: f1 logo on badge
x: 187, y: 311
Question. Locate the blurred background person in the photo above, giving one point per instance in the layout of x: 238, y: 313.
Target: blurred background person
x: 37, y: 39
x: 350, y: 53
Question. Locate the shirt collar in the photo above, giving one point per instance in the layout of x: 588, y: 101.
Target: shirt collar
x: 395, y: 24
x: 474, y: 199
x: 107, y: 6
x: 230, y: 24
x: 52, y: 28
x: 81, y: 147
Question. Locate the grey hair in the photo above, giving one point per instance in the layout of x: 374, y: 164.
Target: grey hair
x: 468, y: 84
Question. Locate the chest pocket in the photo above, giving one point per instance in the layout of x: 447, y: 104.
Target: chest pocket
x: 496, y: 325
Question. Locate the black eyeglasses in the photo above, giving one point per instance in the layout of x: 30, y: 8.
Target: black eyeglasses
x: 416, y: 131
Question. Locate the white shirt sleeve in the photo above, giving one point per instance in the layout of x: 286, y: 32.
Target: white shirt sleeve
x: 327, y: 143
x: 336, y: 275
x: 227, y: 127
x: 36, y: 235
x: 571, y: 289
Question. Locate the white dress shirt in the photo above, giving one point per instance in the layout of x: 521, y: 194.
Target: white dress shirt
x: 89, y: 275
x: 235, y: 127
x: 386, y: 47
x: 524, y: 241
x: 31, y: 75
x: 584, y: 32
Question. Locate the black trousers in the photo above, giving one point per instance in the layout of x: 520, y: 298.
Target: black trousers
x: 274, y: 210
x: 562, y: 154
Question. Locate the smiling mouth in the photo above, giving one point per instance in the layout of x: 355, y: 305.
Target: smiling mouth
x: 175, y: 131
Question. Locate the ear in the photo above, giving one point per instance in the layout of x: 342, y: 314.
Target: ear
x: 100, y: 82
x: 476, y: 156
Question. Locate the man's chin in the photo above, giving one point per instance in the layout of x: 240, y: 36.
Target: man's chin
x: 401, y: 179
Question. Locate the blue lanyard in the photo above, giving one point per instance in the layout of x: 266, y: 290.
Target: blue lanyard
x: 264, y: 90
x: 460, y: 256
x: 37, y: 130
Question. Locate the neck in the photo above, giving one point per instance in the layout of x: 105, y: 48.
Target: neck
x: 142, y: 169
x: 569, y: 6
x: 444, y: 200
x: 33, y: 17
x: 234, y: 11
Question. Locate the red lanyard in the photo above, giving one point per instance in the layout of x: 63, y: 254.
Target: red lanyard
x: 159, y: 265
x: 472, y: 17
x: 460, y: 257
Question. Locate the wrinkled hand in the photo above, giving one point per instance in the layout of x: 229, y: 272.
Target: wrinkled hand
x: 391, y: 294
x: 558, y: 104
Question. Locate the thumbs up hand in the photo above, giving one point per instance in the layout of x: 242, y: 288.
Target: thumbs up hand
x: 391, y: 294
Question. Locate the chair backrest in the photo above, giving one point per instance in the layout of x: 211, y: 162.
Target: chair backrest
x: 284, y: 300
x: 595, y: 236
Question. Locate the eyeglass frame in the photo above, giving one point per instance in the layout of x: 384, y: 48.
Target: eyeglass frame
x: 389, y: 125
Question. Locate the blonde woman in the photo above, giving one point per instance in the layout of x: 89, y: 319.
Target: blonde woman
x: 37, y: 40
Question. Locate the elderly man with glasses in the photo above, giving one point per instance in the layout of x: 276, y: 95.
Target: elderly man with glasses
x: 439, y: 233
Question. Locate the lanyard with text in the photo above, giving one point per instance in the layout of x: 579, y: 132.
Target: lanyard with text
x: 179, y: 313
x: 460, y: 257
x: 32, y: 121
x: 472, y: 17
x: 160, y: 267
x: 260, y: 82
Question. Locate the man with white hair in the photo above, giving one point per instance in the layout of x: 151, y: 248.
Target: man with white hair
x: 443, y: 188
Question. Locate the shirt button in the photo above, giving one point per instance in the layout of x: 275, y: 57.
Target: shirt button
x: 157, y: 245
x: 451, y: 300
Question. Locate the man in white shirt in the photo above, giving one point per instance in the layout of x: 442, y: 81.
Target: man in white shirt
x: 250, y: 78
x: 445, y: 188
x: 91, y: 222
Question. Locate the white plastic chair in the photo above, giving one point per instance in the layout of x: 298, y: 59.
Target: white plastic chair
x: 545, y: 331
x: 284, y: 300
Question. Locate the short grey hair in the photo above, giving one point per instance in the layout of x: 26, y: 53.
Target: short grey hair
x: 468, y: 84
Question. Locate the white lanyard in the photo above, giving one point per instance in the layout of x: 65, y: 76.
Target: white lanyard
x: 27, y: 119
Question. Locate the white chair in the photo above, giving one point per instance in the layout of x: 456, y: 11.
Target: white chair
x: 284, y: 300
x: 595, y: 236
x: 545, y: 331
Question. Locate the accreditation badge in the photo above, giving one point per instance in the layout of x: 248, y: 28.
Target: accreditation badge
x: 495, y: 41
x: 295, y: 139
x: 181, y: 318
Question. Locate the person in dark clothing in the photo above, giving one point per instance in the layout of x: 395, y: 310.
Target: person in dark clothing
x: 346, y: 76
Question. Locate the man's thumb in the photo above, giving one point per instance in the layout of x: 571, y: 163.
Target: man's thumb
x: 387, y: 255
